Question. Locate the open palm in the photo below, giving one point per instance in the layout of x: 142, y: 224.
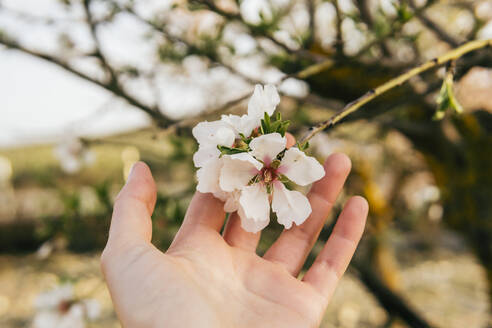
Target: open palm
x: 206, y: 279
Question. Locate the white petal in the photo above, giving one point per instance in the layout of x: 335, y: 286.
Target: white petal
x: 237, y: 171
x: 251, y: 225
x: 266, y: 147
x: 204, y: 154
x: 254, y: 208
x: 263, y: 100
x: 290, y: 206
x: 271, y: 97
x: 241, y: 124
x: 232, y: 201
x: 92, y: 309
x: 300, y: 168
x: 208, y: 176
x: 45, y: 319
x: 214, y: 133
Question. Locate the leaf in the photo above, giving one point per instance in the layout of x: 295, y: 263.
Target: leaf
x: 230, y: 150
x: 303, y: 146
x: 403, y: 12
x: 447, y: 99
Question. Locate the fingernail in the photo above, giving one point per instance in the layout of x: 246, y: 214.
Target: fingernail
x: 131, y: 173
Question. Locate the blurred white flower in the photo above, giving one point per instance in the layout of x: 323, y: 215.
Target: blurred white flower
x: 54, y: 298
x: 59, y: 308
x: 73, y: 155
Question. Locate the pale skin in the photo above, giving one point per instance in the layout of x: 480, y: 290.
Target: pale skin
x: 209, y: 279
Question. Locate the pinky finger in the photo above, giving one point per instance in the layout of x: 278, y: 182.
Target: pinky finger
x: 335, y: 257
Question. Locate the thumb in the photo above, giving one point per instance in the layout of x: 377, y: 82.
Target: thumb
x: 131, y: 223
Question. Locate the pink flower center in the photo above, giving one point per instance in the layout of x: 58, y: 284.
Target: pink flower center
x: 268, y: 174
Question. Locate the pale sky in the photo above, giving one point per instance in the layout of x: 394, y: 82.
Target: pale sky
x: 40, y: 102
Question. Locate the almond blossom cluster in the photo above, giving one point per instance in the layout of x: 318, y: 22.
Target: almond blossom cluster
x: 73, y: 155
x: 244, y: 161
x: 58, y: 308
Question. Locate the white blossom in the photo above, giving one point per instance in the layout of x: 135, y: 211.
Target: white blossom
x: 73, y: 155
x: 59, y: 308
x: 248, y: 176
x: 256, y: 174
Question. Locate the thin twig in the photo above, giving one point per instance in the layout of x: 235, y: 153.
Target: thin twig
x: 311, y: 37
x: 366, y: 16
x: 98, y: 53
x: 177, y: 39
x: 433, y: 26
x: 339, y: 37
x: 238, y: 18
x: 153, y: 112
x: 395, y: 82
x: 395, y: 27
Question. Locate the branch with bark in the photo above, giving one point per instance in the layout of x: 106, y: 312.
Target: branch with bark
x: 396, y: 82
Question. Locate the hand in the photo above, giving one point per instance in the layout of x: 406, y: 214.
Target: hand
x: 206, y: 279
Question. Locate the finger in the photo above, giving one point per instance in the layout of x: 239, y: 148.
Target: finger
x: 236, y: 236
x: 335, y: 257
x: 130, y: 222
x: 293, y: 246
x: 291, y: 141
x: 205, y: 212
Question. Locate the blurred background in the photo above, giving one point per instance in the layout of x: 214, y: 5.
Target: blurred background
x: 88, y: 87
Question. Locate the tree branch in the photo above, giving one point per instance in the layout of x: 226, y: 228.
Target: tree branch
x: 237, y: 17
x: 97, y: 52
x: 154, y: 113
x: 366, y: 16
x: 339, y: 38
x: 396, y: 26
x: 431, y: 25
x: 174, y: 38
x: 395, y: 82
x: 311, y: 37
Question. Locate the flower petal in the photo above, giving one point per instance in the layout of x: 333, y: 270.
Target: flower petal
x: 214, y: 133
x: 208, y: 176
x: 204, y: 154
x: 266, y: 147
x: 237, y: 171
x: 241, y: 124
x: 254, y: 208
x: 263, y: 100
x: 251, y: 225
x: 289, y: 205
x: 300, y: 168
x: 232, y: 201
